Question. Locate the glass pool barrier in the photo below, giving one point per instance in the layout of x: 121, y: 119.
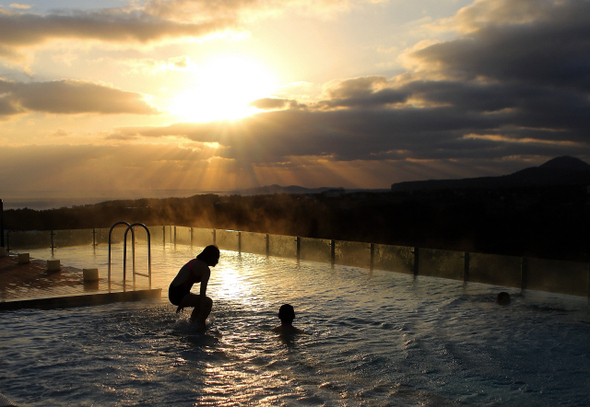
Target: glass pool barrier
x: 555, y: 276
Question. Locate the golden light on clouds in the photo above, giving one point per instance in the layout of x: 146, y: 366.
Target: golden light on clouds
x: 204, y: 96
x: 224, y: 87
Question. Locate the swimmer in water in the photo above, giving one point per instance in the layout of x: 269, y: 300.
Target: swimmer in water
x: 287, y: 315
x: 195, y: 271
x: 503, y: 298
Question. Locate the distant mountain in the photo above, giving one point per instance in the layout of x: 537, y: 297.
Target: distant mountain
x: 558, y: 171
x: 292, y: 189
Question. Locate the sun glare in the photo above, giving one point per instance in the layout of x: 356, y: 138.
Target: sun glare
x: 224, y: 88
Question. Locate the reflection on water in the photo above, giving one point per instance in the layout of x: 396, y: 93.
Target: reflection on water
x: 375, y: 338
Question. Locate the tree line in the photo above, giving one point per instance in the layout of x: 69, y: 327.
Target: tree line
x: 536, y: 222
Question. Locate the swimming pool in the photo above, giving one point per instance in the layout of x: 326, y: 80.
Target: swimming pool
x: 374, y: 338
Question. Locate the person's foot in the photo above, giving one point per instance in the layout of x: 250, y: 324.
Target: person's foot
x: 201, y: 326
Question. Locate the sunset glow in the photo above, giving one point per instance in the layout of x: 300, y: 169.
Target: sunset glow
x: 198, y: 96
x: 225, y: 87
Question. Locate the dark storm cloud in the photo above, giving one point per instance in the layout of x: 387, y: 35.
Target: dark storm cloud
x: 518, y: 104
x: 554, y: 50
x: 68, y: 97
x: 368, y: 91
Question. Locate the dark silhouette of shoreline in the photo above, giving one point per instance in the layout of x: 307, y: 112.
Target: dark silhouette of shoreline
x: 536, y: 219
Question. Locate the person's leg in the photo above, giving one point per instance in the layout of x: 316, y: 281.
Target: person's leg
x: 200, y: 315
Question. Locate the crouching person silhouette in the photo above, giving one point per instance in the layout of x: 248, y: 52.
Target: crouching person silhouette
x: 195, y: 271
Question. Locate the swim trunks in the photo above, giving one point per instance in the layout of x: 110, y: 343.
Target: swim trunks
x: 177, y: 293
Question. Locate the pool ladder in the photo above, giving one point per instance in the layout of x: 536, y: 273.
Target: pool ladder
x: 130, y: 227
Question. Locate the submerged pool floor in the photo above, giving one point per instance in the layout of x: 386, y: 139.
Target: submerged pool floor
x: 373, y: 339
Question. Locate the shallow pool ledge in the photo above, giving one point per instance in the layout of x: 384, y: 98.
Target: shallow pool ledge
x: 82, y: 300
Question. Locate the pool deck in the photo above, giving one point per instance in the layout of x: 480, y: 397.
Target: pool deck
x: 32, y: 285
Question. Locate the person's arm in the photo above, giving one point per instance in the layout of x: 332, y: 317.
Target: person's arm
x: 204, y: 280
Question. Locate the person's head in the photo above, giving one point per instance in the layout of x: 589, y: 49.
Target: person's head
x: 209, y: 255
x: 503, y: 298
x: 286, y: 314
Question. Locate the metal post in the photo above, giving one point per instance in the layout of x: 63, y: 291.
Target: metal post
x: 298, y: 249
x: 267, y: 245
x: 332, y: 252
x: 215, y: 237
x: 1, y: 223
x: 523, y: 273
x: 52, y: 245
x: 239, y: 242
x: 466, y: 269
x: 192, y: 238
x: 372, y: 248
x: 416, y: 260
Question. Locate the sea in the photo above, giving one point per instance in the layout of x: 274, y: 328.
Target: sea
x: 43, y: 200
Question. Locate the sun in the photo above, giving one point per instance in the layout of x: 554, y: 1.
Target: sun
x: 224, y: 88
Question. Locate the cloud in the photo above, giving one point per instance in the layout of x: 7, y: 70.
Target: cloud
x: 501, y: 90
x: 69, y: 97
x: 155, y: 21
x: 20, y: 29
x: 276, y: 103
x: 20, y: 6
x: 369, y: 91
x: 511, y: 86
x: 549, y: 46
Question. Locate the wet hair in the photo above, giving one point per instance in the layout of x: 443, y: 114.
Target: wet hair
x: 286, y: 313
x: 209, y: 254
x: 503, y: 298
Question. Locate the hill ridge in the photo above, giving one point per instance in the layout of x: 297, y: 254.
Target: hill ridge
x: 564, y: 170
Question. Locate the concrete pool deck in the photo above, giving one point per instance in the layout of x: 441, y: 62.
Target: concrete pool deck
x: 32, y: 285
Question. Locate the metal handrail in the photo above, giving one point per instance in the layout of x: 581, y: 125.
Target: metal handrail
x: 109, y: 258
x: 135, y: 273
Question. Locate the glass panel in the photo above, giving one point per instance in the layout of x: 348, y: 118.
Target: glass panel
x: 228, y: 239
x: 254, y: 242
x: 282, y: 246
x: 183, y: 235
x: 156, y: 234
x: 203, y: 237
x: 27, y: 240
x: 73, y: 237
x: 102, y: 236
x: 394, y: 258
x: 441, y: 263
x: 556, y: 276
x: 168, y: 234
x: 315, y: 249
x: 353, y: 254
x: 495, y: 269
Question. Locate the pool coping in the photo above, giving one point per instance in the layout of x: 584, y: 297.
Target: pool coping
x: 81, y: 300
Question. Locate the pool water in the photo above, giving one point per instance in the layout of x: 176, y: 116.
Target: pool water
x: 373, y: 338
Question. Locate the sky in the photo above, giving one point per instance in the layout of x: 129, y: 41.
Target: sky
x: 204, y: 95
